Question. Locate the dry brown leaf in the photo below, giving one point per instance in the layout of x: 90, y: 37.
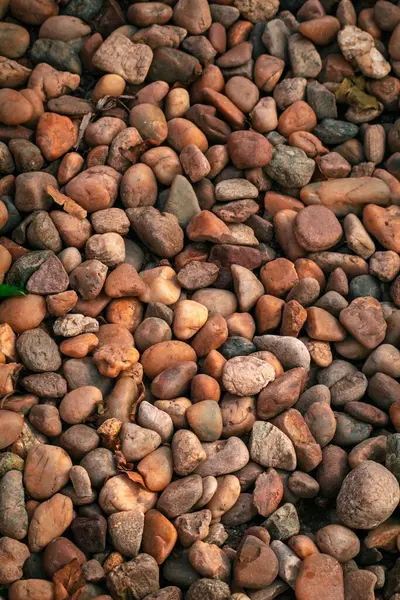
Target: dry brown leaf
x: 141, y: 394
x: 68, y: 580
x: 137, y: 478
x: 7, y: 341
x: 82, y: 128
x: 122, y: 463
x: 8, y: 377
x: 109, y: 432
x: 126, y: 468
x: 70, y: 206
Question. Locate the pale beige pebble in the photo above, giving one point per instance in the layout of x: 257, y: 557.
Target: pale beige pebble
x: 357, y: 238
x: 248, y: 287
x: 187, y: 452
x: 246, y: 375
x: 354, y: 42
x: 109, y: 85
x: 225, y: 496
x: 373, y: 64
x: 217, y: 301
x: 161, y: 285
x: 121, y: 56
x: 177, y: 103
x: 108, y: 248
x: 189, y: 317
x: 151, y: 417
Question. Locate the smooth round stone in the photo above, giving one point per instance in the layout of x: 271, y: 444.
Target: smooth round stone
x: 236, y: 345
x: 14, y: 218
x: 56, y: 53
x: 368, y: 496
x: 364, y: 285
x: 333, y: 131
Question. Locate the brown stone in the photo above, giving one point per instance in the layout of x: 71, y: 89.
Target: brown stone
x: 364, y: 320
x: 55, y: 135
x: 320, y: 576
x: 299, y: 116
x: 268, y: 492
x: 316, y: 228
x: 384, y: 224
x: 343, y: 196
x: 278, y: 277
x: 281, y: 394
x: 321, y: 30
x: 256, y: 565
x: 323, y: 326
x: 293, y: 318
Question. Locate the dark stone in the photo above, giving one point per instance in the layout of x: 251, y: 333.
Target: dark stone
x: 178, y: 570
x: 14, y: 218
x: 263, y: 229
x: 225, y: 255
x: 159, y: 310
x: 26, y: 265
x: 56, y: 53
x: 173, y: 65
x: 90, y: 533
x: 34, y: 567
x: 83, y: 9
x: 83, y: 371
x: 256, y: 39
x: 237, y: 346
x: 321, y: 100
x: 333, y: 131
x: 364, y: 285
x: 350, y: 431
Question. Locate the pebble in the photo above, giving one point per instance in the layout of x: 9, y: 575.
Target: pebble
x: 246, y: 376
x: 270, y: 447
x: 289, y: 351
x: 368, y: 480
x: 126, y: 530
x: 290, y: 166
x: 213, y: 308
x: 108, y: 58
x: 320, y: 574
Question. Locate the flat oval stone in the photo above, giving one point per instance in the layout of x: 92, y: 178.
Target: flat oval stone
x: 246, y: 375
x: 236, y: 345
x: 333, y: 131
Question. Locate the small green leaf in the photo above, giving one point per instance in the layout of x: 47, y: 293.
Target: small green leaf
x: 7, y: 291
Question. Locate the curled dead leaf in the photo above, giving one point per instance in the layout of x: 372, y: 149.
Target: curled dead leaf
x: 140, y: 396
x: 68, y: 580
x: 126, y: 468
x: 109, y: 432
